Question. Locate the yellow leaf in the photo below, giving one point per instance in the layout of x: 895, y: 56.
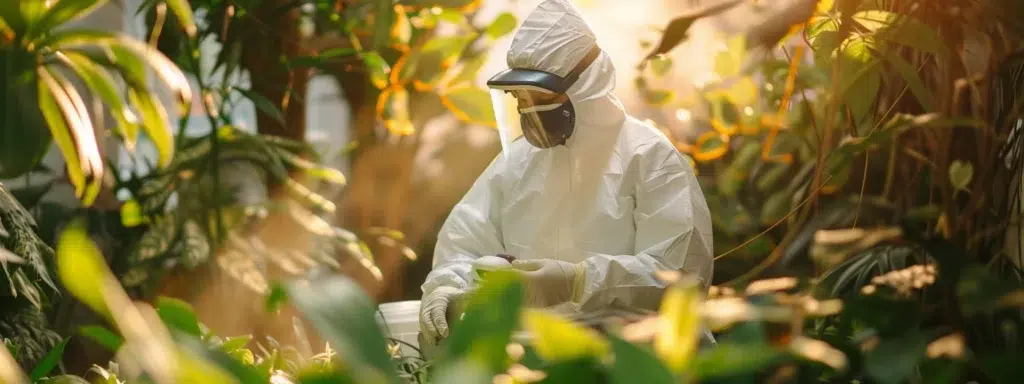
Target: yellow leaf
x: 470, y: 104
x: 558, y: 340
x: 679, y: 336
x: 730, y: 61
x: 131, y: 213
x: 710, y: 146
x: 393, y: 108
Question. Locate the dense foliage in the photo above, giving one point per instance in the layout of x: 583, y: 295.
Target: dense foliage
x: 862, y: 168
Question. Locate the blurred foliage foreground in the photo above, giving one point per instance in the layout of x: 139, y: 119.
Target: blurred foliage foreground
x: 774, y: 330
x: 865, y: 151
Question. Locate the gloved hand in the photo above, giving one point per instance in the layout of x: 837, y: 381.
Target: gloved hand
x: 551, y: 282
x: 434, y: 312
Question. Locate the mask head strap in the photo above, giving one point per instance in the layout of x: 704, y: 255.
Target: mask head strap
x: 576, y: 71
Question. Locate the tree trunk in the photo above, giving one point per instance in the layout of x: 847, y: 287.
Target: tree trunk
x: 276, y: 35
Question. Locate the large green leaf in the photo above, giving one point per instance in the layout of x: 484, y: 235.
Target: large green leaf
x: 101, y: 84
x: 902, y: 29
x: 102, y: 336
x: 894, y: 360
x: 635, y: 365
x: 470, y: 104
x: 155, y: 123
x: 24, y: 138
x: 60, y: 13
x: 912, y: 76
x: 502, y: 25
x: 492, y: 312
x: 262, y: 104
x: 344, y: 315
x: 46, y: 365
x: 131, y: 57
x: 81, y: 267
x: 177, y: 314
x: 73, y: 134
x: 11, y: 21
x: 183, y: 12
x: 733, y: 360
x: 860, y: 76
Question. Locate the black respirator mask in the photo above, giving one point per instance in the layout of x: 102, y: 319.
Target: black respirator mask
x: 542, y: 124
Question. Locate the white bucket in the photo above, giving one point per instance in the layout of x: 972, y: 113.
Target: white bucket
x: 400, y: 320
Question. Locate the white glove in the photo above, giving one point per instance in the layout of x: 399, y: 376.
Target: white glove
x: 486, y: 264
x: 434, y: 312
x: 551, y: 282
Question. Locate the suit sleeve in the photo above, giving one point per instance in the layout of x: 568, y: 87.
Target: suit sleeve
x: 673, y: 232
x: 472, y: 230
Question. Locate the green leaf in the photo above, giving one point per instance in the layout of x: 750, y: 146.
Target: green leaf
x: 468, y: 71
x: 729, y: 63
x: 470, y: 104
x: 46, y: 365
x: 62, y: 12
x: 11, y: 20
x: 894, y: 360
x: 660, y: 65
x: 278, y: 296
x: 155, y: 123
x: 378, y: 69
x: 730, y: 360
x: 492, y: 312
x: 131, y: 214
x: 502, y: 25
x: 462, y: 371
x: 131, y: 57
x: 262, y: 104
x: 902, y: 29
x: 183, y: 12
x: 196, y: 246
x: 776, y: 207
x: 322, y: 58
x: 860, y: 76
x: 960, y: 174
x: 235, y: 343
x: 102, y: 336
x: 383, y: 19
x: 635, y: 365
x: 73, y: 135
x: 223, y: 364
x: 324, y: 378
x: 177, y: 314
x: 100, y: 83
x: 658, y: 97
x: 81, y: 267
x: 63, y: 379
x: 911, y: 75
x: 344, y: 315
x: 157, y: 241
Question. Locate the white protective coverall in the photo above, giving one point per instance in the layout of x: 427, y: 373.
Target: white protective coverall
x: 617, y: 197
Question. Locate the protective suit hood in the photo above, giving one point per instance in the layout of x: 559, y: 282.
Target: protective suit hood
x: 554, y: 38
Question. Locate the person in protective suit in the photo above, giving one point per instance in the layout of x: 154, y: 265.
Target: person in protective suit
x: 589, y: 201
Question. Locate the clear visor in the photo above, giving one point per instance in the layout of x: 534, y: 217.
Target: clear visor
x: 515, y: 108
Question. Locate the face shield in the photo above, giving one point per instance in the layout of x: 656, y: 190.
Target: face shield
x: 545, y: 119
x: 533, y: 104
